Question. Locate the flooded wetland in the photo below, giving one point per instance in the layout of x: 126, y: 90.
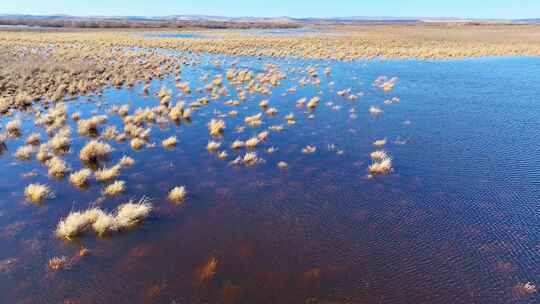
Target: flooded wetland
x: 156, y: 168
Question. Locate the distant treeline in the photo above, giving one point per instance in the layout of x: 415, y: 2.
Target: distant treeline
x: 142, y: 23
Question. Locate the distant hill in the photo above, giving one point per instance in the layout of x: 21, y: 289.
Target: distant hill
x: 180, y: 21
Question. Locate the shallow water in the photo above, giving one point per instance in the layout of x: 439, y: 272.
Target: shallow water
x: 456, y: 222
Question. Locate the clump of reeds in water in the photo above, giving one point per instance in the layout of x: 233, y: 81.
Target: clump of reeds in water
x: 208, y: 271
x: 237, y: 144
x: 37, y: 193
x: 13, y: 128
x: 252, y: 143
x: 126, y: 161
x: 105, y: 174
x: 94, y: 151
x: 253, y: 121
x: 58, y: 263
x: 115, y: 188
x: 127, y: 215
x: 57, y: 167
x: 309, y: 149
x: 178, y: 194
x: 61, y: 141
x: 170, y: 142
x: 80, y: 178
x: 380, y: 142
x: 137, y: 143
x: 216, y: 127
x: 33, y: 139
x: 89, y: 127
x: 375, y: 111
x: 381, y: 166
x: 283, y: 165
x: 24, y: 152
x: 213, y: 146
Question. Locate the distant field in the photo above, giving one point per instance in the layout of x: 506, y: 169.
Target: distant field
x: 89, y: 59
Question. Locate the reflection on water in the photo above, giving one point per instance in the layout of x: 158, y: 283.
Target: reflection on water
x: 456, y: 222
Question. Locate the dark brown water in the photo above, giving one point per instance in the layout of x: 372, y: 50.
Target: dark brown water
x: 456, y: 222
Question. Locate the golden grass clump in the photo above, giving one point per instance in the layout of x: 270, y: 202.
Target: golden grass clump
x: 283, y: 165
x: 115, y: 188
x: 126, y: 161
x: 208, y: 271
x: 383, y: 166
x: 61, y: 140
x: 379, y: 155
x: 89, y: 127
x: 58, y: 263
x: 374, y: 110
x: 33, y: 139
x: 76, y: 223
x: 105, y: 174
x: 237, y: 144
x: 313, y: 102
x: 216, y: 127
x: 379, y: 142
x: 272, y: 111
x: 80, y: 178
x: 251, y: 158
x: 309, y: 149
x: 94, y: 150
x: 131, y: 213
x: 24, y: 152
x: 252, y: 143
x: 263, y: 104
x: 105, y: 223
x: 169, y: 142
x: 263, y: 135
x: 37, y: 193
x: 137, y: 143
x: 13, y: 128
x: 57, y: 167
x: 44, y: 153
x: 212, y: 146
x: 177, y: 112
x: 178, y: 194
x: 254, y: 120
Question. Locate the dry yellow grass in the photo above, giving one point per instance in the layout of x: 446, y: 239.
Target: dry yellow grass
x: 80, y: 178
x: 37, y: 193
x: 170, y: 142
x: 178, y: 194
x: 94, y: 150
x: 115, y: 188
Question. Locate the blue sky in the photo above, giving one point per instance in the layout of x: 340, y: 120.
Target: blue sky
x: 292, y: 8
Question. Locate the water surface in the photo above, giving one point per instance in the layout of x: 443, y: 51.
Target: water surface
x: 456, y: 222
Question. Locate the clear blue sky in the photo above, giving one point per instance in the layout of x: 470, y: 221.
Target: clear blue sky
x: 292, y: 8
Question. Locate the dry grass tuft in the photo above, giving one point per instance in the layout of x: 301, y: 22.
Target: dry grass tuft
x: 379, y: 155
x: 13, y: 128
x: 95, y: 150
x: 33, y: 139
x: 381, y: 167
x: 178, y: 194
x: 309, y: 149
x: 170, y: 142
x: 212, y: 146
x: 57, y: 167
x: 375, y: 111
x: 126, y: 161
x: 137, y: 143
x: 380, y: 142
x: 131, y: 213
x: 116, y: 188
x: 58, y: 263
x: 24, y: 152
x: 37, y: 193
x: 216, y: 127
x: 80, y: 178
x: 106, y: 174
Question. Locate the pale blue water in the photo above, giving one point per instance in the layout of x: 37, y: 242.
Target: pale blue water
x: 456, y: 222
